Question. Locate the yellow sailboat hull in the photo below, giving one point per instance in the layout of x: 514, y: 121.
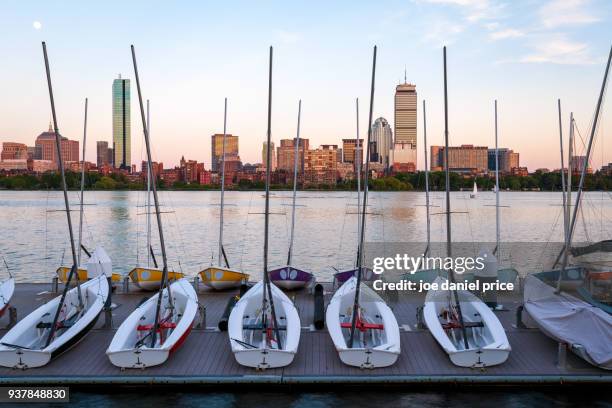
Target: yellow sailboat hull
x: 64, y: 271
x: 222, y: 278
x: 150, y: 278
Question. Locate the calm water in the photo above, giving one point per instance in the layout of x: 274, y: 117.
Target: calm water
x: 350, y: 398
x: 35, y: 239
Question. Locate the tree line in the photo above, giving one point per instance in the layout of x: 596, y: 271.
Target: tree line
x: 398, y: 182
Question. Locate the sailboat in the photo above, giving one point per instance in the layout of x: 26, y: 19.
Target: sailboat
x: 363, y: 328
x: 221, y: 277
x: 560, y: 314
x: 288, y: 276
x: 367, y: 275
x: 59, y: 324
x: 462, y: 324
x: 474, y: 192
x: 99, y: 262
x: 160, y: 325
x: 7, y: 289
x: 264, y: 325
x: 148, y: 278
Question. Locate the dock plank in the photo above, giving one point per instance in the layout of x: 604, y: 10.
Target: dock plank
x: 206, y: 355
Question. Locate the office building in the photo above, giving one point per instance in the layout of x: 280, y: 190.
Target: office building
x: 508, y: 160
x: 45, y: 142
x: 122, y: 124
x: 286, y: 154
x: 14, y: 151
x: 352, y: 151
x: 264, y: 156
x: 405, y: 125
x: 467, y: 159
x: 216, y: 149
x: 382, y: 143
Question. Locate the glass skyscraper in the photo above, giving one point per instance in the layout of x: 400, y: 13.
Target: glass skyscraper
x: 382, y: 142
x: 122, y: 123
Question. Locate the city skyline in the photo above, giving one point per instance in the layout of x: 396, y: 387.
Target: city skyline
x: 526, y: 56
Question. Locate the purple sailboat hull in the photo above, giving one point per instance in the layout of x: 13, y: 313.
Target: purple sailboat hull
x: 343, y: 276
x: 290, y: 278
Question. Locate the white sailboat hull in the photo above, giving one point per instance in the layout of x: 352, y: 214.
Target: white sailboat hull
x: 487, y: 344
x: 249, y: 346
x: 373, y: 348
x: 7, y: 289
x: 31, y: 351
x: 124, y: 351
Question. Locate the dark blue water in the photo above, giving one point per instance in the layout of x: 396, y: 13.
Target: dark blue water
x: 355, y: 397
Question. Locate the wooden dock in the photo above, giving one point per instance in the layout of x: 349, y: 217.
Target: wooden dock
x: 206, y: 357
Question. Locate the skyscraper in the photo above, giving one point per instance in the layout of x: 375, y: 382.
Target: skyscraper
x: 216, y: 150
x: 404, y: 150
x: 103, y: 157
x: 122, y: 123
x: 264, y: 156
x: 382, y: 137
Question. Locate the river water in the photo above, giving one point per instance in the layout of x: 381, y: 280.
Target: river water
x: 35, y: 236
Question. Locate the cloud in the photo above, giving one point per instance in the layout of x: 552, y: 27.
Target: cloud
x: 506, y: 33
x: 473, y: 10
x: 443, y: 32
x: 558, y: 49
x: 558, y: 13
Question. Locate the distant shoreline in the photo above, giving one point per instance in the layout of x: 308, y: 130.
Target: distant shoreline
x: 397, y: 182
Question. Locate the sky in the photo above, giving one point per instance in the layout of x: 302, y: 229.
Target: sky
x: 193, y: 54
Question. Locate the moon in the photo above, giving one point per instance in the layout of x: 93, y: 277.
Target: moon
x: 37, y: 25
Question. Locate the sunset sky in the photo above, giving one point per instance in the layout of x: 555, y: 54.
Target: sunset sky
x: 192, y: 54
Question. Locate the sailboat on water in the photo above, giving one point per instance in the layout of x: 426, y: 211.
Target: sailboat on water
x: 59, y: 324
x: 264, y: 325
x: 149, y: 277
x: 462, y: 324
x: 553, y: 299
x: 221, y: 276
x: 160, y: 325
x: 474, y: 192
x: 363, y: 328
x: 288, y: 276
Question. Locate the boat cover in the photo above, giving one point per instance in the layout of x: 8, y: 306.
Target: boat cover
x: 570, y: 320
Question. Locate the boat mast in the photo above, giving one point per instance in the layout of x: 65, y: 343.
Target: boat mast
x: 364, y: 208
x: 221, y: 251
x: 570, y: 164
x: 563, y: 187
x: 58, y: 152
x: 267, y: 285
x: 567, y: 197
x: 358, y: 168
x: 295, y: 172
x: 585, y: 165
x: 82, y: 188
x: 426, y: 181
x: 451, y: 273
x: 164, y: 281
x: 497, y: 231
x: 563, y: 192
x: 148, y: 210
